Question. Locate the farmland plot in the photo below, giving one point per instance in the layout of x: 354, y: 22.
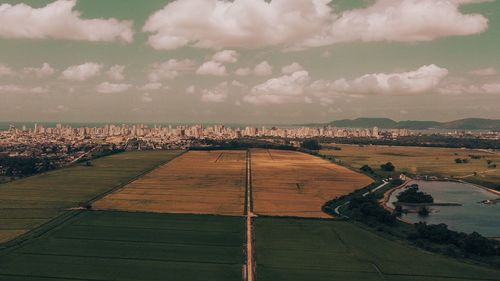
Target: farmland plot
x: 307, y: 249
x: 289, y: 183
x: 27, y: 203
x: 198, y: 182
x: 424, y: 161
x: 132, y: 247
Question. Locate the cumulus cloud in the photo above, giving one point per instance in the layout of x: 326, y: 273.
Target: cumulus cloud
x: 263, y: 69
x: 402, y: 21
x: 110, y: 88
x: 490, y: 71
x: 146, y: 98
x: 284, y: 89
x: 5, y: 70
x: 58, y: 20
x: 44, y: 71
x: 116, y: 72
x: 169, y: 69
x: 22, y: 89
x: 226, y: 56
x: 82, y: 72
x: 422, y: 80
x: 305, y: 23
x: 214, y: 68
x: 462, y: 86
x: 151, y: 86
x: 191, y: 89
x: 243, y: 71
x: 217, y: 94
x: 238, y: 84
x: 291, y: 68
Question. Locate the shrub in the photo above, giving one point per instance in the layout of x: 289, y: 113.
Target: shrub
x: 413, y: 195
x: 388, y: 167
x: 311, y: 144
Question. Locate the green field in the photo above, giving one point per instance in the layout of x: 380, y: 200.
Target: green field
x: 27, y: 203
x: 320, y: 250
x: 97, y: 245
x: 422, y: 161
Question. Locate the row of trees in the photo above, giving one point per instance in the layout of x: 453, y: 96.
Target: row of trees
x: 24, y: 166
x: 473, y: 243
x: 426, y: 141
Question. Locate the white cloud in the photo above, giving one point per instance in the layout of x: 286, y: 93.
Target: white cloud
x: 82, y: 72
x: 22, y: 89
x: 58, y: 20
x: 236, y: 83
x: 191, y: 89
x: 109, y: 88
x: 243, y: 71
x: 402, y: 21
x: 291, y: 68
x: 263, y: 69
x: 5, y: 70
x: 490, y: 71
x: 226, y: 56
x: 212, y: 68
x: 284, y: 89
x: 151, y: 86
x: 116, y: 72
x: 422, y: 80
x: 44, y: 71
x: 169, y: 69
x: 305, y: 23
x: 462, y: 86
x: 146, y: 98
x: 217, y: 94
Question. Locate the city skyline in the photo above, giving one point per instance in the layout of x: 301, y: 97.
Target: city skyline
x: 282, y: 62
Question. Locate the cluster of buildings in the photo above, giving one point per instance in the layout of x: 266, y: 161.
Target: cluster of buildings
x: 218, y: 132
x: 62, y: 141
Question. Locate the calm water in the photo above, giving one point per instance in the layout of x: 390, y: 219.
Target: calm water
x: 471, y: 216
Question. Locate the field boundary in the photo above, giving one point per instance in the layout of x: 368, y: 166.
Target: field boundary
x: 69, y: 214
x: 120, y: 186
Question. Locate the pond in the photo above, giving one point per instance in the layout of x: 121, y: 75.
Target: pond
x: 471, y: 216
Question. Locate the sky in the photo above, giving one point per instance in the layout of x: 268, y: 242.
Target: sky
x: 248, y: 61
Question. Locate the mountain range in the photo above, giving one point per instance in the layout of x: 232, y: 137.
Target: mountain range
x: 386, y: 123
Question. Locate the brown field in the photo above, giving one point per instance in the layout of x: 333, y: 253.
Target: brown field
x: 288, y: 183
x: 423, y: 161
x: 200, y: 182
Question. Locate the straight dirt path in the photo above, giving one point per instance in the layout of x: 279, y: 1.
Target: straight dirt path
x: 250, y: 269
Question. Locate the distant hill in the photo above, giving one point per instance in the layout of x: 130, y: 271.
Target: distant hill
x: 366, y: 123
x: 386, y: 123
x: 473, y: 123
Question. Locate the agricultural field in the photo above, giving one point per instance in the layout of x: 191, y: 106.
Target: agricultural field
x: 321, y: 250
x: 423, y: 161
x: 27, y: 203
x: 198, y: 182
x: 97, y: 245
x: 289, y: 183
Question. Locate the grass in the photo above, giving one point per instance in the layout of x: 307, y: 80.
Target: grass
x: 199, y: 182
x: 305, y: 249
x: 99, y: 245
x: 422, y: 161
x: 27, y: 203
x: 289, y: 183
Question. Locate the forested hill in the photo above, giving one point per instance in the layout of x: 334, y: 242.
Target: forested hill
x: 385, y: 123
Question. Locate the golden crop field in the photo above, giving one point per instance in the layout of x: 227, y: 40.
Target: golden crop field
x: 423, y: 161
x: 289, y: 183
x: 200, y: 182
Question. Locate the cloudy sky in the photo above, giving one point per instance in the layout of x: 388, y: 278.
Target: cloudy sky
x: 248, y: 61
